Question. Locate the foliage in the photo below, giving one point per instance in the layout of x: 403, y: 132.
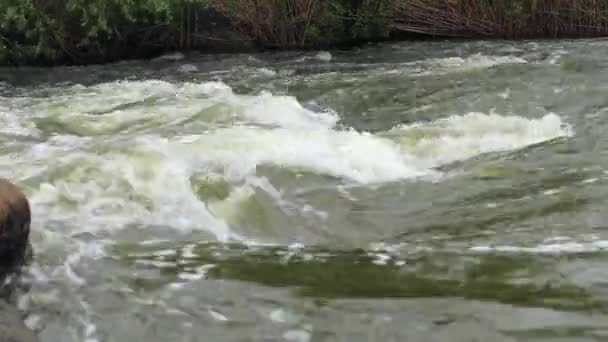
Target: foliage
x: 304, y: 23
x: 373, y: 19
x: 274, y: 23
x: 77, y: 30
x: 92, y: 31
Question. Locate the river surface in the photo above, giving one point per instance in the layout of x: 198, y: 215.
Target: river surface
x: 427, y: 191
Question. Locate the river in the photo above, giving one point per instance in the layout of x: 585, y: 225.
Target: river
x: 414, y: 191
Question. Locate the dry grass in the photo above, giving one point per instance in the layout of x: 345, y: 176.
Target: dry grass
x: 503, y: 18
x: 275, y: 23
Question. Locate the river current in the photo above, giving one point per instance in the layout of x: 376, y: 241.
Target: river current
x: 414, y: 191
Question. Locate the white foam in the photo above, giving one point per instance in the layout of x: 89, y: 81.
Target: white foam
x: 176, y: 56
x: 103, y: 201
x: 324, y: 56
x: 127, y: 179
x: 13, y: 120
x: 297, y: 336
x: 186, y: 68
x: 556, y: 248
x: 266, y: 72
x: 460, y: 137
x: 216, y: 315
x: 126, y: 104
x: 265, y: 108
x: 284, y: 111
x: 239, y: 150
x: 438, y: 66
x: 475, y: 61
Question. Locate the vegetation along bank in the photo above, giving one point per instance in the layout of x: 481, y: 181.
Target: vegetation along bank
x: 53, y: 32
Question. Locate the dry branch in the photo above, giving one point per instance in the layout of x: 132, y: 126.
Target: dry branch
x: 504, y: 18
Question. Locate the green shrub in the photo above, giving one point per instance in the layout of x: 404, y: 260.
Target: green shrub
x: 77, y: 30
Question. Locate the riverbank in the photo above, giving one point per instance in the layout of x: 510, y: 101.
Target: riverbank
x: 85, y: 32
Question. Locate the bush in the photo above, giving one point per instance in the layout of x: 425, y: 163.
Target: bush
x: 93, y: 31
x: 309, y: 23
x: 75, y: 31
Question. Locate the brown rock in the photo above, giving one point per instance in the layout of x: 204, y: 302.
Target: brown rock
x: 15, y: 218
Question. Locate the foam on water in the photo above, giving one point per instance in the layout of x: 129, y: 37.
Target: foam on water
x: 110, y: 108
x: 460, y: 137
x: 12, y: 122
x: 477, y: 61
x: 321, y: 56
x: 547, y: 248
x: 239, y: 150
x: 438, y: 66
x: 143, y: 176
x: 324, y: 56
x: 117, y: 189
x: 265, y: 108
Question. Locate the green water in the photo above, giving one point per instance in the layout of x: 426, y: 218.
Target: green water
x: 429, y: 191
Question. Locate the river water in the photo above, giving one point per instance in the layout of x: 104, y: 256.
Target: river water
x: 427, y: 191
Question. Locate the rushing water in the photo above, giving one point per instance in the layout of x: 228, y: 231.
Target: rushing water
x: 425, y: 191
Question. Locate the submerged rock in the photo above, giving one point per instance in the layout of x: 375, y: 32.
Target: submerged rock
x: 15, y: 218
